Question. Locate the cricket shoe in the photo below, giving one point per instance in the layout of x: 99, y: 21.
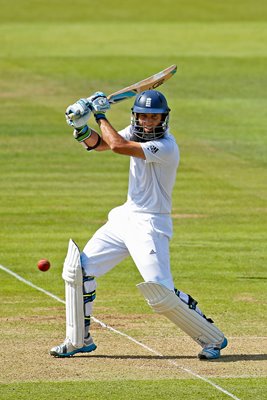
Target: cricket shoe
x: 66, y: 349
x: 212, y: 352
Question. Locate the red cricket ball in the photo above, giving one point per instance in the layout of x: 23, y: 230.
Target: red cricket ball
x: 43, y: 265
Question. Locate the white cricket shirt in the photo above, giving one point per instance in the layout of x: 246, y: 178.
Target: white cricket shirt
x: 151, y: 180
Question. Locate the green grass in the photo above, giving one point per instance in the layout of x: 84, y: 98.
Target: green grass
x: 52, y: 53
x: 157, y: 10
x: 142, y: 390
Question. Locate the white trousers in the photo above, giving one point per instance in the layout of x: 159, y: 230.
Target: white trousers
x: 144, y: 237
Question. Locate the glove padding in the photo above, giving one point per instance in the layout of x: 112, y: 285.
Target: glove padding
x: 99, y: 104
x: 78, y: 114
x: 82, y: 134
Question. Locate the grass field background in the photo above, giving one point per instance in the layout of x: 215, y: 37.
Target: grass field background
x: 53, y: 53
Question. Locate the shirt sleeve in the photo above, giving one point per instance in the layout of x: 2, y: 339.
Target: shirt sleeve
x: 125, y: 133
x: 160, y: 151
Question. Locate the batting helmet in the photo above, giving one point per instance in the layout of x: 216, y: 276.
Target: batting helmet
x: 150, y: 102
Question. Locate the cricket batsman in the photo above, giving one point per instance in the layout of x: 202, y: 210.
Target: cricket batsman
x: 140, y: 228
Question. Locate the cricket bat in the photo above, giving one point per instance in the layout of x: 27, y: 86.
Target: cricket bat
x: 146, y: 84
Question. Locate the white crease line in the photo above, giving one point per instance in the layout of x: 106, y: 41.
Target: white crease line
x: 189, y: 371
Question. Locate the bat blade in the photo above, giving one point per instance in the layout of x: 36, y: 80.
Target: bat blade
x: 146, y: 84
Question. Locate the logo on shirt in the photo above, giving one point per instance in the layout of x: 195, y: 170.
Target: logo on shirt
x: 153, y: 149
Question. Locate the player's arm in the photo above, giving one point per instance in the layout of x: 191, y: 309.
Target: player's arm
x: 77, y: 116
x: 111, y: 140
x: 99, y: 105
x: 117, y: 143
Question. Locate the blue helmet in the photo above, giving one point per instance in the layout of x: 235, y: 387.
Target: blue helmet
x: 150, y: 102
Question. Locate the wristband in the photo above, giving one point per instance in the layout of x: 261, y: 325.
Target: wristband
x: 99, y: 116
x: 89, y: 148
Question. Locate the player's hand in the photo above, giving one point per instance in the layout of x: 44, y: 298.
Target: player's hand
x: 99, y: 104
x: 78, y: 114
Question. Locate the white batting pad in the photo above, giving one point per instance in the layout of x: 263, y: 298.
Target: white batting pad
x: 72, y: 274
x: 166, y: 302
x: 72, y: 271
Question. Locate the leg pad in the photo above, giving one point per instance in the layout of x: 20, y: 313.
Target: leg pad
x: 72, y: 274
x: 166, y: 302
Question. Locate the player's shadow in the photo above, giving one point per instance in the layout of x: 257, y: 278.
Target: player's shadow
x: 223, y: 358
x: 132, y: 357
x: 242, y: 357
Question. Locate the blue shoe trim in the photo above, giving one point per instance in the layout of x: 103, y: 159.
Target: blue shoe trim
x: 213, y: 354
x: 85, y: 349
x: 224, y: 343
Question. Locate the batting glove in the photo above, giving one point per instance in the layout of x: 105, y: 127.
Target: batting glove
x: 82, y: 134
x: 99, y: 104
x: 78, y: 114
